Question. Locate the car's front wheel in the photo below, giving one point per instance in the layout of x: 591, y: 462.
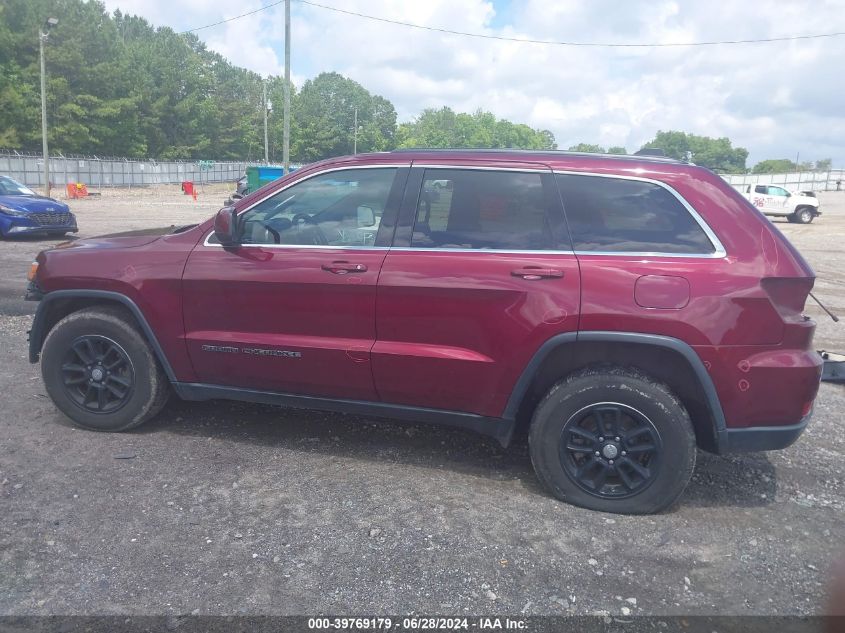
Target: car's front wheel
x: 804, y: 215
x: 100, y: 371
x: 612, y: 439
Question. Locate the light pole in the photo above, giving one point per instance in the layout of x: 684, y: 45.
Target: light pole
x: 42, y: 37
x: 286, y: 124
x: 355, y: 133
x: 268, y: 106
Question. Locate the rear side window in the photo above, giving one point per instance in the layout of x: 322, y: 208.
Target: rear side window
x: 628, y: 216
x: 475, y: 209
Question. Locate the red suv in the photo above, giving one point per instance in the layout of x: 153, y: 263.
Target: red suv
x: 622, y: 310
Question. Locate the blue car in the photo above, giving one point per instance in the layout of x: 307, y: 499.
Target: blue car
x: 23, y: 212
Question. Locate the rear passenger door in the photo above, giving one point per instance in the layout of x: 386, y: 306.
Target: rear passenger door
x: 481, y: 273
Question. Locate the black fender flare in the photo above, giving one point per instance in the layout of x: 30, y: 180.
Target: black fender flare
x: 714, y: 406
x: 39, y: 322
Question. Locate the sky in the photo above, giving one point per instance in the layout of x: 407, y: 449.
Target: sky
x: 778, y: 99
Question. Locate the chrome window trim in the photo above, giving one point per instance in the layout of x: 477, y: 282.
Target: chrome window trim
x: 329, y: 170
x: 411, y: 249
x: 325, y: 247
x: 527, y: 170
x: 718, y: 253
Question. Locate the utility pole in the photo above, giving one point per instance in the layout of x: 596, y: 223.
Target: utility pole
x: 355, y: 133
x: 286, y: 133
x: 42, y: 37
x: 264, y: 105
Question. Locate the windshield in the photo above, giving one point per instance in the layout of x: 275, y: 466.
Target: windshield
x: 9, y: 187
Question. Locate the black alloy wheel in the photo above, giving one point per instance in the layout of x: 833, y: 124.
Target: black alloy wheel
x: 610, y: 450
x: 97, y: 374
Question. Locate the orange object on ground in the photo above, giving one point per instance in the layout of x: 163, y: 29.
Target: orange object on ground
x: 77, y: 190
x: 188, y: 187
x: 194, y: 194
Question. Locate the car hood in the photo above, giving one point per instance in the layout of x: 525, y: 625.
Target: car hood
x: 805, y: 198
x: 34, y: 204
x: 126, y: 239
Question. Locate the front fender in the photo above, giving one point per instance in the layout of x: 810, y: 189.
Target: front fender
x: 42, y: 321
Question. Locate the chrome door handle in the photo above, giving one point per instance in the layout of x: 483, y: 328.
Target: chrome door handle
x: 344, y: 268
x: 533, y: 273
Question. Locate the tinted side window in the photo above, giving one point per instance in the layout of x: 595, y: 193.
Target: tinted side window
x: 341, y: 208
x: 761, y: 189
x: 478, y: 209
x: 617, y: 215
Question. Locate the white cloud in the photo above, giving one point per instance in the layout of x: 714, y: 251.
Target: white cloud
x: 776, y: 99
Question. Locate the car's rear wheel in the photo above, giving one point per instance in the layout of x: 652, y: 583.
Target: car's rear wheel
x: 100, y: 371
x: 613, y: 440
x: 804, y: 215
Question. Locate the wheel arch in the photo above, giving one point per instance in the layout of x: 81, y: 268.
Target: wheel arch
x: 664, y: 358
x: 56, y: 305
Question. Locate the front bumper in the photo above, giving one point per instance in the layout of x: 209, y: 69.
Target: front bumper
x: 38, y: 223
x: 26, y: 229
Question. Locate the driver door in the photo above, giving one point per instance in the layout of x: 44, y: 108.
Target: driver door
x: 777, y: 199
x: 292, y: 308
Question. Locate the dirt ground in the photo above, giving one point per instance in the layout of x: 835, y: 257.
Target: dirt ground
x: 222, y: 508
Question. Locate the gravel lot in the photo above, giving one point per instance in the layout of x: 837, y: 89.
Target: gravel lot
x: 230, y: 508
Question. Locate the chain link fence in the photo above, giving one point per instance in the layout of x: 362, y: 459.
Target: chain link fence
x: 833, y: 180
x: 99, y: 172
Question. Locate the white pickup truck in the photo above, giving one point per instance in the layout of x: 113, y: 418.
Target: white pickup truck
x: 796, y: 206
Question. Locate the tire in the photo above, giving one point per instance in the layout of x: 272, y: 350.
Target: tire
x: 641, y: 469
x: 803, y: 215
x: 133, y: 385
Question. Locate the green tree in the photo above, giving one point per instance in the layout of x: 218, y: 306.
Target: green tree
x: 774, y: 166
x: 442, y: 128
x: 323, y: 117
x: 617, y: 149
x: 715, y: 153
x: 117, y: 86
x: 824, y: 164
x: 588, y: 148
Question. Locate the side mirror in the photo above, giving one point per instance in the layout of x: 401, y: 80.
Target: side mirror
x: 225, y: 226
x: 366, y: 217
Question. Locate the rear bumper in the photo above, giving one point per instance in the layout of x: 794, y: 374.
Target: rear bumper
x: 763, y: 438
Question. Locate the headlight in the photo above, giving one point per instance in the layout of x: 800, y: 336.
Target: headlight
x: 12, y: 212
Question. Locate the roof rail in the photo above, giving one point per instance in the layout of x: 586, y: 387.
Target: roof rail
x: 641, y: 155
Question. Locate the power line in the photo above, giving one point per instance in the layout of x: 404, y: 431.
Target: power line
x: 786, y: 38
x: 567, y: 43
x: 237, y: 17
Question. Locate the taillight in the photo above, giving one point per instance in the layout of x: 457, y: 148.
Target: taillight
x: 788, y: 294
